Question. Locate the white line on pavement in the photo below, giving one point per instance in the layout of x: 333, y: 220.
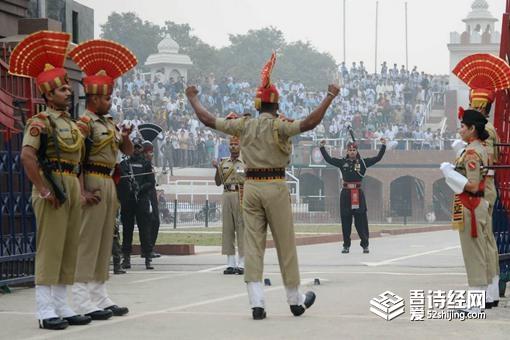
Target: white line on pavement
x: 52, y: 335
x: 178, y: 275
x: 375, y: 264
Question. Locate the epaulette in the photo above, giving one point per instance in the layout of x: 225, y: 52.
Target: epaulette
x: 41, y: 115
x: 83, y: 125
x: 472, y: 154
x: 85, y: 119
x: 285, y: 119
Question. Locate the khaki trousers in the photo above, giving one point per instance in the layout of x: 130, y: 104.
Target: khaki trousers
x: 96, y: 234
x: 475, y: 249
x: 232, y: 224
x: 269, y: 203
x: 57, y: 234
x: 493, y: 255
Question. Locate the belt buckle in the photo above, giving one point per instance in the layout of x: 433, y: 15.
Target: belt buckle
x: 76, y: 169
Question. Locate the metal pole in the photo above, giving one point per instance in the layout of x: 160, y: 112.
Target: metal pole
x: 175, y: 213
x: 376, y: 31
x: 344, y: 28
x: 206, y: 213
x: 407, y: 50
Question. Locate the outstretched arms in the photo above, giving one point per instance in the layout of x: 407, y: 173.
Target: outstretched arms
x: 373, y: 160
x: 314, y: 118
x: 333, y: 161
x: 203, y: 115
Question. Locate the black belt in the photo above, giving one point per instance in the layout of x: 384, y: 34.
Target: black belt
x: 231, y: 187
x: 65, y: 167
x: 352, y: 185
x: 476, y: 194
x: 265, y: 174
x: 98, y: 169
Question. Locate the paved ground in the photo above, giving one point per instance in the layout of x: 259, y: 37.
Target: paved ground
x: 190, y: 298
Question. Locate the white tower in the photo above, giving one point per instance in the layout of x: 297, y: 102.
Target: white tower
x: 479, y: 36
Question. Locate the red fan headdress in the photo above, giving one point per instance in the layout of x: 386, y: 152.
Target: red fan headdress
x: 267, y: 92
x: 41, y: 55
x: 102, y: 61
x: 485, y: 74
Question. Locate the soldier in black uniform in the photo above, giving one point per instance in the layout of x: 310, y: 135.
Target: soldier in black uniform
x: 352, y: 199
x: 134, y: 188
x: 148, y: 151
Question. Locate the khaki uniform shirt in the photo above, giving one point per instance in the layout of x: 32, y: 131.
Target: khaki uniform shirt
x: 265, y: 140
x: 471, y: 161
x: 106, y: 138
x: 491, y: 141
x: 232, y: 171
x: 70, y: 139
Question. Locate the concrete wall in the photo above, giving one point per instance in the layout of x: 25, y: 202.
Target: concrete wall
x: 10, y: 12
x: 422, y: 165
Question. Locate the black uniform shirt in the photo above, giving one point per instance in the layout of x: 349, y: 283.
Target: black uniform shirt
x: 353, y: 170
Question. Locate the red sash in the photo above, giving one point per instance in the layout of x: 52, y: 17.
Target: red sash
x: 471, y: 202
x: 354, y: 198
x: 116, y: 174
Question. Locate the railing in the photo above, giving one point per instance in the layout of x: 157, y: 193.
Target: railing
x: 404, y: 144
x: 201, y: 188
x: 426, y: 114
x: 17, y: 221
x: 313, y: 210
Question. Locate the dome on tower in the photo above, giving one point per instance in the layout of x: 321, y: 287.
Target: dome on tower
x: 168, y: 45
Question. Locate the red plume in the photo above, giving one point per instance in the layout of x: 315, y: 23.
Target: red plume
x: 266, y: 71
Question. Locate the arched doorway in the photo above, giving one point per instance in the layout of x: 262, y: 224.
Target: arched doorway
x: 175, y: 74
x: 442, y: 200
x: 372, y: 189
x: 311, y: 189
x: 407, y: 198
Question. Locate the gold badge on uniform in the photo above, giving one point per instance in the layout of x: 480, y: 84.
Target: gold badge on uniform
x: 34, y: 131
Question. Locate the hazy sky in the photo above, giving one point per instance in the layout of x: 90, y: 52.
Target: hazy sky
x: 320, y: 22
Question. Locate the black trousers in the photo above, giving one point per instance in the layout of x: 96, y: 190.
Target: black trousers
x: 360, y: 217
x: 154, y: 226
x: 128, y: 213
x: 116, y: 248
x: 361, y: 224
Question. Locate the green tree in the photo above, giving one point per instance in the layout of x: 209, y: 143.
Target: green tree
x: 141, y: 37
x: 247, y: 53
x: 300, y: 61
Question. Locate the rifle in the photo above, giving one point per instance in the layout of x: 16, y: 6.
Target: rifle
x: 133, y: 184
x: 59, y: 193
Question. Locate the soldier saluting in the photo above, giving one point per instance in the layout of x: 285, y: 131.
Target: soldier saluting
x: 230, y: 173
x: 53, y: 146
x: 352, y: 198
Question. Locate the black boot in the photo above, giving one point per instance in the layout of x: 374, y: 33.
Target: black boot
x: 126, y: 261
x: 148, y: 263
x: 297, y: 310
x: 117, y: 268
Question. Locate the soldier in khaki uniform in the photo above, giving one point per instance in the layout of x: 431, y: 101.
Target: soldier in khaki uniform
x: 481, y: 72
x: 103, y: 141
x: 51, y: 153
x: 470, y: 210
x: 230, y: 173
x: 266, y: 146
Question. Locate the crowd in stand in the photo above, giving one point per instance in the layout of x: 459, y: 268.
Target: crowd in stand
x: 391, y: 103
